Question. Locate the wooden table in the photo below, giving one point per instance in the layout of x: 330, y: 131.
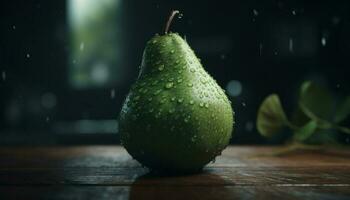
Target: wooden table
x: 108, y: 172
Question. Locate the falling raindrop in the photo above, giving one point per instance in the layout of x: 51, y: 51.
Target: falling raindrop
x: 234, y: 88
x: 294, y: 12
x: 13, y: 27
x: 82, y: 46
x: 28, y: 55
x: 47, y: 119
x: 260, y: 48
x: 191, y: 102
x: 255, y: 12
x: 291, y: 45
x: 112, y: 93
x: 323, y: 41
x: 3, y: 75
x: 244, y: 104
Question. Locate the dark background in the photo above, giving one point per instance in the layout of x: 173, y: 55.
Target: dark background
x: 245, y: 41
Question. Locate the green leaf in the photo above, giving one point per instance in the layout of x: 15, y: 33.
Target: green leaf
x: 305, y: 131
x: 315, y: 101
x: 342, y: 129
x: 343, y: 110
x: 271, y: 117
x: 323, y: 137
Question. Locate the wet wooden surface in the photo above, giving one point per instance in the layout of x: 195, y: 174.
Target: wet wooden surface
x: 108, y: 172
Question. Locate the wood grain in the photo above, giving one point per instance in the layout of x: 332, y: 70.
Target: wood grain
x: 106, y: 172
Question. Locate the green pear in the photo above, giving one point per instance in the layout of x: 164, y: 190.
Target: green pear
x: 176, y: 118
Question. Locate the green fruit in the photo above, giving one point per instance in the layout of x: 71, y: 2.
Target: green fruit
x: 176, y: 118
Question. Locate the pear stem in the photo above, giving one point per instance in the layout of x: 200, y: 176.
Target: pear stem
x: 171, y: 17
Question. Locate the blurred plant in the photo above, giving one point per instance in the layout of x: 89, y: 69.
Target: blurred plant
x: 314, y: 120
